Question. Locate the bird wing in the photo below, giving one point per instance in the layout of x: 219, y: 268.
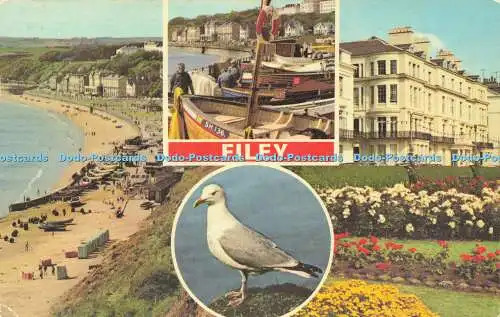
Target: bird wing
x: 253, y: 249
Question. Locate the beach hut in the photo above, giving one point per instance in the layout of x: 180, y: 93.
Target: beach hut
x: 61, y: 272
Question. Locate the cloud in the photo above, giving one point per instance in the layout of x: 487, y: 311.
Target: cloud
x: 3, y: 1
x: 497, y: 1
x: 436, y: 43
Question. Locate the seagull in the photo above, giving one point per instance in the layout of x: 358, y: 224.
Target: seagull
x: 242, y: 248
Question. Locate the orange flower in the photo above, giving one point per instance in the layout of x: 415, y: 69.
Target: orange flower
x: 412, y: 250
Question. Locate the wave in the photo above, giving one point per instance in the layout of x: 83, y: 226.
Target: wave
x: 38, y: 175
x: 57, y: 118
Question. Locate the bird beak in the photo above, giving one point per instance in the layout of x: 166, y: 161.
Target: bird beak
x: 199, y: 202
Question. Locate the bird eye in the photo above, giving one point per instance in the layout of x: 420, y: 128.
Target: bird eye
x: 213, y: 193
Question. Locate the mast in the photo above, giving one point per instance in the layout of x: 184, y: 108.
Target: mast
x: 252, y: 100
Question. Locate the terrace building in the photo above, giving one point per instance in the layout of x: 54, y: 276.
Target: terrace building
x: 114, y: 86
x: 193, y: 34
x: 494, y: 114
x: 344, y: 101
x: 293, y: 28
x: 326, y: 7
x: 209, y: 31
x: 289, y: 9
x: 228, y: 32
x: 406, y: 102
x: 247, y: 32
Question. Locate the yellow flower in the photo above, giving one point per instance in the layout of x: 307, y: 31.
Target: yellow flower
x: 354, y: 298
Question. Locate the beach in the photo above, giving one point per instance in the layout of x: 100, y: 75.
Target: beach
x: 35, y: 297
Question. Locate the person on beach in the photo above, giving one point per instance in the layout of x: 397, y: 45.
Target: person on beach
x: 181, y: 79
x: 27, y: 246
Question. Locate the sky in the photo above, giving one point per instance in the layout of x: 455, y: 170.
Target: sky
x: 80, y: 18
x: 469, y: 28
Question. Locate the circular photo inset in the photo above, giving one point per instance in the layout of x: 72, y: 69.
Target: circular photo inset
x: 252, y: 240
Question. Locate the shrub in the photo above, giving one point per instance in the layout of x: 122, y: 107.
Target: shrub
x: 358, y: 298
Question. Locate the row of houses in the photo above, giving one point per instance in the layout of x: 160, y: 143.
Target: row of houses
x: 150, y: 46
x: 309, y: 6
x: 213, y: 31
x: 98, y: 84
x: 394, y: 97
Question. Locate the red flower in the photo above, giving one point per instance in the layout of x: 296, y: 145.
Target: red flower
x: 362, y: 241
x: 478, y: 258
x: 412, y: 250
x: 492, y: 255
x: 373, y: 240
x: 443, y: 243
x: 498, y: 252
x: 363, y: 250
x: 388, y: 245
x: 383, y: 266
x: 466, y: 257
x: 397, y: 246
x: 480, y: 249
x: 376, y: 248
x: 341, y: 235
x: 498, y: 265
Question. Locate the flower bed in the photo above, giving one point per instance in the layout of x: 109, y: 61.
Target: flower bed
x: 367, y: 258
x: 357, y: 298
x: 398, y: 212
x: 473, y: 186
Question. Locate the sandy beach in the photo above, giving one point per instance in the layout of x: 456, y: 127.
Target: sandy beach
x: 35, y: 297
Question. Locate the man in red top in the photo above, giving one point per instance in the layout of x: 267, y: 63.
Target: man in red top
x: 267, y: 22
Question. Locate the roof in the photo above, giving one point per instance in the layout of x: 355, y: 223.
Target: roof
x: 311, y: 85
x: 370, y: 46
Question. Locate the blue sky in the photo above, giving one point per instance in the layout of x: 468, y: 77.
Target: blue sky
x: 80, y: 18
x: 469, y: 28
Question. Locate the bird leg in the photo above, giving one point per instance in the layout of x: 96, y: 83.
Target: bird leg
x: 233, y: 296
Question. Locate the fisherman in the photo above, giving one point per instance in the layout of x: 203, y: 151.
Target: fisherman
x: 226, y: 79
x: 181, y: 79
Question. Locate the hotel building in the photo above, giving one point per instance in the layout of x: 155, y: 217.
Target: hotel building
x: 406, y: 102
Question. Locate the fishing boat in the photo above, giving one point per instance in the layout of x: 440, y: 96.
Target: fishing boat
x: 219, y: 118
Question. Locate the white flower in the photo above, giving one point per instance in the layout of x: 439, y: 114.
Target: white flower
x: 449, y: 212
x: 446, y: 204
x: 381, y: 218
x: 409, y: 228
x: 434, y: 221
x: 347, y: 203
x: 371, y: 212
x: 480, y: 223
x: 469, y: 223
x: 346, y: 213
x: 490, y: 230
x: 452, y: 224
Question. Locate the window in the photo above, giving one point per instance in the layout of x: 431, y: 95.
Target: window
x: 452, y: 107
x: 394, y: 66
x: 429, y: 103
x: 413, y: 72
x: 461, y: 110
x: 452, y: 83
x: 443, y: 81
x: 429, y: 75
x: 356, y: 70
x: 382, y: 98
x: 382, y: 126
x: 460, y: 87
x: 443, y: 107
x: 418, y: 71
x: 394, y: 126
x: 393, y: 148
x: 470, y: 92
x: 341, y: 86
x: 362, y: 97
x: 381, y: 67
x: 470, y: 112
x: 372, y: 69
x: 372, y: 95
x: 394, y: 93
x: 356, y: 96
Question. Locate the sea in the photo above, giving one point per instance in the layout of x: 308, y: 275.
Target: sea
x: 31, y: 130
x: 190, y: 58
x: 269, y: 201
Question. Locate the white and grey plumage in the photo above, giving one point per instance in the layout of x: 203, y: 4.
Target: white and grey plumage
x: 242, y: 248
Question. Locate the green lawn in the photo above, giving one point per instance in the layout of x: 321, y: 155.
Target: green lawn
x: 450, y: 303
x: 430, y: 247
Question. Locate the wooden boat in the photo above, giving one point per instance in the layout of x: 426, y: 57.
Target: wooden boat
x: 219, y: 118
x: 316, y: 107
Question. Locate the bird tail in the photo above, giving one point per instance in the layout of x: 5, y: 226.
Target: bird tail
x: 303, y: 270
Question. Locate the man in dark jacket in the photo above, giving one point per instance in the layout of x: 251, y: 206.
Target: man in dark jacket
x: 182, y: 80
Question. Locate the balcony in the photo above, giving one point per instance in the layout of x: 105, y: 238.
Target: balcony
x: 484, y: 145
x: 442, y: 139
x: 393, y: 135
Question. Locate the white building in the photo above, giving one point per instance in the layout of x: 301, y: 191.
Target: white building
x: 326, y: 7
x: 345, y: 103
x: 127, y: 50
x: 406, y: 102
x: 310, y: 6
x: 153, y: 47
x: 289, y: 9
x: 324, y: 28
x: 494, y: 118
x: 293, y: 28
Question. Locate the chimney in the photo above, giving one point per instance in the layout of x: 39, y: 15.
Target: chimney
x: 401, y: 35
